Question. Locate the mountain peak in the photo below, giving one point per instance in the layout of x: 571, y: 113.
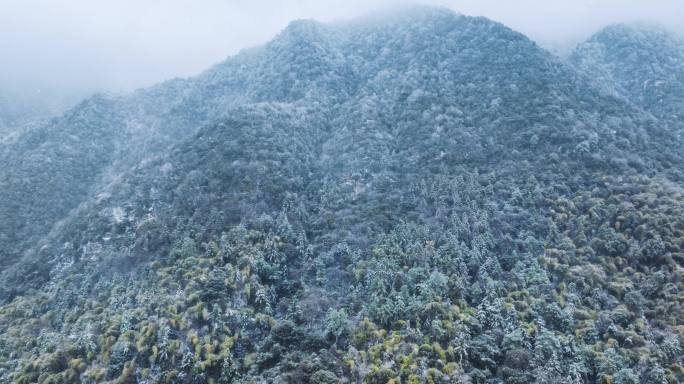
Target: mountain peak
x: 647, y: 37
x: 303, y: 28
x: 633, y: 30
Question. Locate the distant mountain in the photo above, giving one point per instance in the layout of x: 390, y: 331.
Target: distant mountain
x: 18, y: 109
x: 644, y: 64
x: 413, y: 197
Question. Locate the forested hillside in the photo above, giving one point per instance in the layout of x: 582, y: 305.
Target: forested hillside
x: 406, y: 198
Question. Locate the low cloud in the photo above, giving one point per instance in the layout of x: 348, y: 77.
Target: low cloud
x: 84, y: 45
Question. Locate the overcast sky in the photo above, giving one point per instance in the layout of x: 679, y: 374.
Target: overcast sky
x: 119, y: 45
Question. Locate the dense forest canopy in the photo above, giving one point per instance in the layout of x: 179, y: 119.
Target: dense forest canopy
x: 414, y: 197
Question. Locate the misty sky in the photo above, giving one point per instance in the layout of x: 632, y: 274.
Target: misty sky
x: 119, y: 45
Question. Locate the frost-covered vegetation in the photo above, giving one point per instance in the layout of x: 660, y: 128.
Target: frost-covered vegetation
x: 417, y: 197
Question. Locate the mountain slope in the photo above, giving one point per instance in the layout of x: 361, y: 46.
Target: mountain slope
x: 420, y: 197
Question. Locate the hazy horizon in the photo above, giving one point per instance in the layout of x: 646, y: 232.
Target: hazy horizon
x: 79, y: 47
